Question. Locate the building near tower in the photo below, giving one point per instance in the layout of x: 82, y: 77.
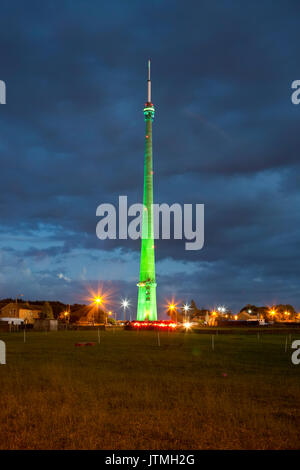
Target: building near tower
x: 147, y: 309
x: 19, y: 311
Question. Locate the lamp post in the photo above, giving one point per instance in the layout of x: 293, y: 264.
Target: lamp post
x: 272, y: 313
x: 98, y: 301
x: 125, y: 304
x: 66, y: 313
x: 221, y: 309
x: 172, y: 308
x: 19, y: 295
x: 186, y: 308
x: 287, y: 313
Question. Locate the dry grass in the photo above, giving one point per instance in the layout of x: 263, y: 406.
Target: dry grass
x: 128, y: 393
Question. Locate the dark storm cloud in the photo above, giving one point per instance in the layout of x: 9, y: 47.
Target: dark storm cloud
x: 225, y: 134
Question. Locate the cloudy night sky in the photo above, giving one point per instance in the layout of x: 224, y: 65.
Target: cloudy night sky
x: 225, y: 134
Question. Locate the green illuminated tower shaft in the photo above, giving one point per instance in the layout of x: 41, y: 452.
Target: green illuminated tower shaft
x: 147, y: 309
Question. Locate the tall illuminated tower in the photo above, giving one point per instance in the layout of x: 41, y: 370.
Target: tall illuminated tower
x: 147, y: 309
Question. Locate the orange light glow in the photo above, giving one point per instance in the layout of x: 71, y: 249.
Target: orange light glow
x: 99, y: 297
x: 171, y: 304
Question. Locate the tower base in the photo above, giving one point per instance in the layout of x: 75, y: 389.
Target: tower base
x: 147, y: 309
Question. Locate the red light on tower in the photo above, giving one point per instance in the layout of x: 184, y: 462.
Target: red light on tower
x: 154, y: 325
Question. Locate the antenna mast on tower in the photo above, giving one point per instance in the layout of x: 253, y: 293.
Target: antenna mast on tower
x: 149, y: 81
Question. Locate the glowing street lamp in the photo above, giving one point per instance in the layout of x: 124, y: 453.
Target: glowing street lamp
x: 125, y: 303
x: 221, y: 309
x: 186, y: 308
x: 67, y: 314
x: 98, y: 302
x: 110, y: 314
x: 172, y: 308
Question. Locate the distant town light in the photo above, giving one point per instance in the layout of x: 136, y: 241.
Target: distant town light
x: 221, y: 309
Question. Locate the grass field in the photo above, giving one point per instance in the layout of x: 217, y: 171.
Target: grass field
x: 130, y: 393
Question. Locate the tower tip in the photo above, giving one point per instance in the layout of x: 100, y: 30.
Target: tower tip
x: 149, y: 80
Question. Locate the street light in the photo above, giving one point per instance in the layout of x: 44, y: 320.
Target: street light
x: 125, y: 303
x: 221, y: 309
x: 67, y: 314
x: 19, y: 295
x: 186, y: 308
x: 172, y: 308
x: 98, y: 301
